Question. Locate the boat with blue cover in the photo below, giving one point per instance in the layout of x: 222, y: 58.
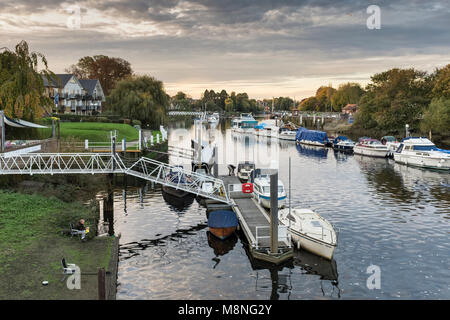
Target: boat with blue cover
x: 312, y: 137
x: 344, y: 144
x: 222, y: 223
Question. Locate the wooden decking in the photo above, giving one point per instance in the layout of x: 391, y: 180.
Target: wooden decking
x: 255, y: 223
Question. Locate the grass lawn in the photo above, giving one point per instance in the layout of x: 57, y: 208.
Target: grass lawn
x: 94, y: 131
x: 32, y: 246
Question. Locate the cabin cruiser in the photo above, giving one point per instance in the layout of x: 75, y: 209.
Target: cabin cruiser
x: 268, y: 129
x: 421, y: 152
x: 244, y: 124
x: 311, y: 137
x: 391, y: 143
x: 287, y: 134
x: 261, y: 191
x: 344, y: 144
x: 309, y: 231
x: 245, y: 170
x: 370, y: 147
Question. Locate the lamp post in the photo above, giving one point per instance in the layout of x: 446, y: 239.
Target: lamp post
x: 407, y: 130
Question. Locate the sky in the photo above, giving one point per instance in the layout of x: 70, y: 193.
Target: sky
x: 265, y: 48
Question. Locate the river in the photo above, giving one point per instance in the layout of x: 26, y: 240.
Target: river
x: 394, y: 217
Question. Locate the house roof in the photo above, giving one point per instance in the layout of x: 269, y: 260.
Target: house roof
x: 88, y: 85
x: 350, y: 107
x: 63, y: 78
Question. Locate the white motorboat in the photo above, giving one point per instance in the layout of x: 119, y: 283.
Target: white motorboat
x: 344, y: 144
x: 371, y: 147
x: 421, y: 152
x: 286, y: 134
x: 391, y: 143
x: 309, y: 231
x: 245, y: 170
x: 244, y: 124
x: 261, y: 191
x: 268, y: 129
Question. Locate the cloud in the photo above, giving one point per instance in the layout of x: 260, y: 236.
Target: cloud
x: 268, y: 45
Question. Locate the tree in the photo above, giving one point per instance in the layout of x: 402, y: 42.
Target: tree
x: 394, y: 98
x: 182, y: 101
x: 323, y: 95
x: 437, y: 116
x: 22, y: 91
x: 309, y: 104
x: 442, y: 83
x: 107, y: 70
x: 142, y: 98
x: 346, y: 93
x: 229, y: 105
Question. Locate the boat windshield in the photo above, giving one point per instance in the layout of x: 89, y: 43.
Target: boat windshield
x: 425, y: 148
x: 266, y: 189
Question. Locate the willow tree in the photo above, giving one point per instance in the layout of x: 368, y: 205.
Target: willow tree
x: 140, y: 98
x: 22, y: 92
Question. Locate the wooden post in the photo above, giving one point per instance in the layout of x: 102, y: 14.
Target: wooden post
x: 216, y: 164
x: 274, y: 212
x: 101, y: 284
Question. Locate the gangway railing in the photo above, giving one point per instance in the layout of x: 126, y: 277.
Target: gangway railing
x: 100, y: 163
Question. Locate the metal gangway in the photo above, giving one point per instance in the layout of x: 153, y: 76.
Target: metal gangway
x: 99, y: 163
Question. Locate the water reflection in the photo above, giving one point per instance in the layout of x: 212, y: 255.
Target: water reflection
x: 318, y: 153
x: 221, y: 247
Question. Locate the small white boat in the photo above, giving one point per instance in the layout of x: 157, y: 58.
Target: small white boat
x: 391, y: 143
x: 245, y: 170
x: 371, y: 147
x: 213, y: 118
x: 309, y: 231
x: 261, y: 191
x: 286, y: 134
x: 421, y: 152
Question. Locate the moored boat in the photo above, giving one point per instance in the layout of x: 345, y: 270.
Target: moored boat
x: 245, y: 170
x: 311, y: 137
x: 261, y: 191
x: 370, y: 147
x: 421, y: 152
x: 309, y: 231
x: 178, y: 178
x: 244, y: 124
x: 391, y: 143
x: 344, y: 144
x: 222, y: 223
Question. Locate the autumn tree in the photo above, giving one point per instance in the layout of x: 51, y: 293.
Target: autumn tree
x: 348, y: 93
x: 22, y: 92
x: 108, y: 70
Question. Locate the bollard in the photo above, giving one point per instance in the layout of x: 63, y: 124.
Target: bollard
x: 101, y: 284
x: 86, y: 144
x: 151, y: 140
x: 124, y: 145
x: 157, y: 138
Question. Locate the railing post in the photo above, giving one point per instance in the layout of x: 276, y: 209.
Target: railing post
x: 2, y: 131
x: 101, y: 284
x: 86, y: 144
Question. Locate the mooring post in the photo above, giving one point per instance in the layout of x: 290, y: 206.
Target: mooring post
x: 274, y: 212
x: 216, y: 165
x: 53, y: 128
x: 101, y: 284
x: 2, y: 131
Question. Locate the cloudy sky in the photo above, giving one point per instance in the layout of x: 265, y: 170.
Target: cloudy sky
x: 264, y: 48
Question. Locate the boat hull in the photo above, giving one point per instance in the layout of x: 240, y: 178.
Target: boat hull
x: 222, y: 233
x: 265, y: 201
x: 315, y: 246
x: 370, y: 152
x: 312, y: 143
x: 422, y: 162
x: 289, y: 137
x: 175, y: 192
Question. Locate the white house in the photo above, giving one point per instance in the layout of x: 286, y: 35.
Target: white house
x: 74, y: 96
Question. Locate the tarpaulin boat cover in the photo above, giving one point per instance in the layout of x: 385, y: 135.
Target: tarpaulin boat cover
x: 222, y: 219
x: 340, y: 138
x: 311, y: 135
x: 299, y: 131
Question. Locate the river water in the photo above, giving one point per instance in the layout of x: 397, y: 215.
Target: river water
x: 390, y: 216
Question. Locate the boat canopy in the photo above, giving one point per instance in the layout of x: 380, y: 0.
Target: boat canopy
x: 222, y: 219
x: 261, y: 126
x: 340, y: 138
x: 311, y: 135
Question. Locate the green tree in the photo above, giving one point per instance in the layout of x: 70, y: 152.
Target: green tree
x: 22, y: 91
x: 442, y: 83
x: 323, y: 96
x: 394, y: 98
x: 142, y: 98
x: 229, y: 105
x: 182, y: 101
x: 309, y: 104
x: 346, y: 93
x: 437, y: 117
